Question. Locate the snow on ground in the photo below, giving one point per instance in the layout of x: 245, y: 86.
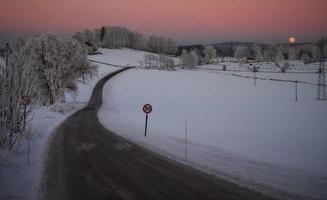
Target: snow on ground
x: 121, y: 57
x: 283, y: 150
x: 19, y: 181
x: 256, y: 136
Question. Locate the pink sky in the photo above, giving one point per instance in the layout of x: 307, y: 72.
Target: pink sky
x: 184, y: 20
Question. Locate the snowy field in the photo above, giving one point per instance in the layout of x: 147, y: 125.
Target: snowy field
x: 257, y: 136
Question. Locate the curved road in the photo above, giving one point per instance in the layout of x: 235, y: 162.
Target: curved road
x: 87, y: 161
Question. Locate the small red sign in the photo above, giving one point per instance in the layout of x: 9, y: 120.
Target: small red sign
x: 147, y: 108
x: 26, y: 100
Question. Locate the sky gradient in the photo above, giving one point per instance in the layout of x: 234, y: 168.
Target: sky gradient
x: 187, y: 21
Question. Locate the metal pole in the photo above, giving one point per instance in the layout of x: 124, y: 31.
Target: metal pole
x: 296, y: 90
x: 28, y: 148
x: 24, y: 116
x: 185, y: 138
x: 255, y: 78
x: 146, y: 124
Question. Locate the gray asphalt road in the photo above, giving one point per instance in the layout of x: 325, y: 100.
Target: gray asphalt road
x: 86, y: 161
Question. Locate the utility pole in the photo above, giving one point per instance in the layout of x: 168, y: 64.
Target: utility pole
x: 321, y: 88
x: 255, y: 78
x: 295, y: 90
x: 185, y: 138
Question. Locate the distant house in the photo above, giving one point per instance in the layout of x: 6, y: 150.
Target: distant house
x: 250, y: 59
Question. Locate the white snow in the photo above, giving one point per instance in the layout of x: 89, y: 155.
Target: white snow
x: 19, y: 181
x: 257, y: 136
x: 120, y: 57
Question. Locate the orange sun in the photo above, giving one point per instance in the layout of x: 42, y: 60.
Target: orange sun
x: 292, y: 40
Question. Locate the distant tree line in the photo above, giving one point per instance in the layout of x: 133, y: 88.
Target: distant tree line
x: 309, y: 52
x: 117, y: 37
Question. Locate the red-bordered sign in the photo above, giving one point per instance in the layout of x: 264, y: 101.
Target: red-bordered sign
x: 26, y: 100
x: 147, y: 108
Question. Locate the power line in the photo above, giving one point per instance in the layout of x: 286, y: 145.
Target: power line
x: 272, y: 79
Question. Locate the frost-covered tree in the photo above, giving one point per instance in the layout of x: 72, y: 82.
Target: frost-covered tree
x: 184, y: 58
x: 280, y: 61
x: 137, y: 41
x: 280, y: 56
x: 305, y: 58
x: 268, y: 54
x: 16, y: 81
x: 259, y: 57
x: 292, y: 54
x: 118, y: 37
x: 258, y: 53
x: 114, y: 37
x: 150, y: 60
x: 315, y: 53
x: 190, y: 59
x: 241, y: 52
x: 58, y: 65
x: 88, y: 40
x: 193, y: 59
x: 161, y: 45
x: 209, y: 54
x: 159, y: 61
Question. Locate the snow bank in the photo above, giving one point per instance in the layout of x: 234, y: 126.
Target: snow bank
x: 18, y: 180
x: 257, y: 136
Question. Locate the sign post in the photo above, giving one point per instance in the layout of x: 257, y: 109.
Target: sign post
x: 147, y: 108
x: 26, y: 100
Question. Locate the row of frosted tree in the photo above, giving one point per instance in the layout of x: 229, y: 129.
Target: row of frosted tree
x: 307, y: 53
x: 117, y: 37
x: 241, y: 52
x: 278, y: 54
x: 42, y: 68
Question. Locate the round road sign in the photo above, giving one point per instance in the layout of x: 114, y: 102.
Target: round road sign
x: 147, y: 108
x: 26, y: 100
